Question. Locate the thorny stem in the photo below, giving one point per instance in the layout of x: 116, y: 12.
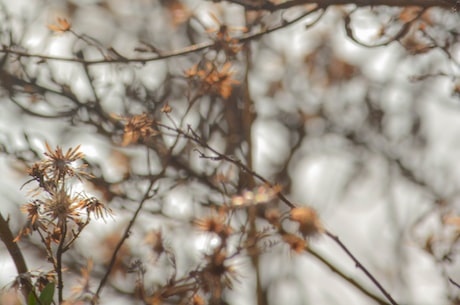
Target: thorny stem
x: 359, y: 265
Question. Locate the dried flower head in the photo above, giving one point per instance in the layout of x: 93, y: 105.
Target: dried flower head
x: 214, y: 223
x: 223, y: 41
x: 61, y: 206
x: 296, y: 243
x: 155, y: 240
x: 139, y: 128
x: 93, y: 206
x: 273, y: 215
x: 166, y: 108
x: 32, y: 210
x: 217, y: 274
x: 62, y: 25
x: 307, y: 218
x: 59, y: 165
x: 214, y: 80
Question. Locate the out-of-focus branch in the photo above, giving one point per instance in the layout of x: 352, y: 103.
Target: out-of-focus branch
x: 454, y: 283
x: 163, y: 55
x: 191, y: 135
x: 400, y: 34
x: 7, y: 238
x: 347, y: 278
x: 359, y: 265
x: 270, y: 6
x: 125, y: 236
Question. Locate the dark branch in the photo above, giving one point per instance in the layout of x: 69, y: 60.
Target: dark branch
x: 7, y: 238
x: 269, y: 6
x: 359, y: 265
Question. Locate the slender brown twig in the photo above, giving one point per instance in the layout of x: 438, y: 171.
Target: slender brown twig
x: 163, y: 55
x: 347, y: 278
x: 191, y: 135
x: 359, y: 265
x: 125, y: 236
x: 454, y: 283
x: 270, y: 6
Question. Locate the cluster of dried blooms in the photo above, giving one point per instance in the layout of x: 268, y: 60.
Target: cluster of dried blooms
x: 56, y: 213
x: 219, y: 272
x: 212, y: 79
x: 253, y: 216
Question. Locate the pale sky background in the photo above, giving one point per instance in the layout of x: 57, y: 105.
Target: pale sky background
x: 374, y: 211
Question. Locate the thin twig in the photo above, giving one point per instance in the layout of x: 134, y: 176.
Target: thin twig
x: 59, y: 253
x: 347, y: 278
x: 454, y: 283
x: 270, y: 6
x: 400, y: 34
x: 196, y: 138
x: 161, y: 56
x: 121, y: 242
x: 359, y: 265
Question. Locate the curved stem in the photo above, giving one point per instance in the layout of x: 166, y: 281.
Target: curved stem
x: 13, y: 249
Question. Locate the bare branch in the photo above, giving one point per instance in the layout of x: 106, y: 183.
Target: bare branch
x: 269, y: 6
x: 13, y: 249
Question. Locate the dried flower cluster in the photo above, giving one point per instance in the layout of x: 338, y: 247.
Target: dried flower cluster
x: 212, y: 79
x: 223, y: 41
x: 232, y: 212
x: 138, y: 128
x: 57, y: 214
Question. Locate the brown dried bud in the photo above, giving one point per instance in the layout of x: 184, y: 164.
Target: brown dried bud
x: 309, y: 224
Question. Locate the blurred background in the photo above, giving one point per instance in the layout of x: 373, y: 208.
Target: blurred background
x: 352, y: 111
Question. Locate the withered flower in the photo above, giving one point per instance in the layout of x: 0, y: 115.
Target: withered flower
x: 94, y: 206
x: 214, y: 223
x: 222, y: 38
x: 217, y: 274
x: 273, y: 215
x: 62, y: 25
x: 296, y: 243
x: 32, y: 210
x: 61, y: 206
x: 139, y: 128
x: 307, y: 218
x: 214, y: 80
x: 155, y: 240
x: 59, y: 165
